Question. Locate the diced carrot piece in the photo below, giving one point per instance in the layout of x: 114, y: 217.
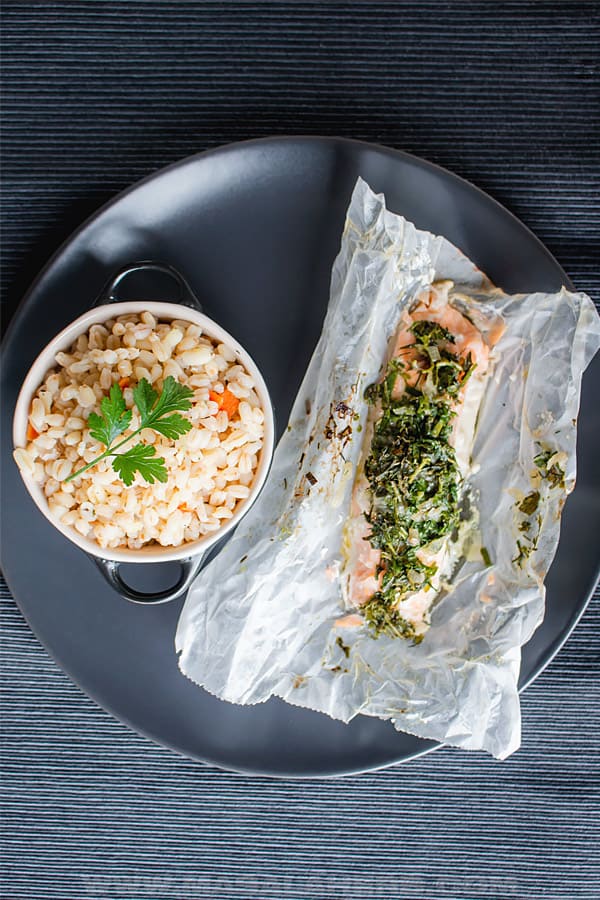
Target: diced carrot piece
x: 227, y: 401
x: 31, y: 432
x: 123, y: 383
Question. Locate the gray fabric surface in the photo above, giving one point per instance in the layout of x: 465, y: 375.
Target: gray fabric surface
x: 98, y: 94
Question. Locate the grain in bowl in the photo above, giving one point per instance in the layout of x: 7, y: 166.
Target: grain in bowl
x: 209, y: 471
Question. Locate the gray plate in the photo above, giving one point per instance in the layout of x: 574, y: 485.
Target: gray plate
x: 255, y: 228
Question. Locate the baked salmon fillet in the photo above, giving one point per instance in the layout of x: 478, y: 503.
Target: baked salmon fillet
x: 409, y: 488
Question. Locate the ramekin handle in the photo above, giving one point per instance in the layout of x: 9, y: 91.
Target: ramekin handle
x: 148, y: 280
x: 189, y: 567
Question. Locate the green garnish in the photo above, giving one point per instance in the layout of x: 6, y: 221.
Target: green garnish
x: 114, y: 420
x: 343, y: 647
x: 530, y: 503
x: 524, y: 552
x: 157, y: 411
x: 555, y: 477
x: 486, y: 556
x: 531, y: 531
x: 140, y: 458
x: 555, y: 474
x: 412, y: 471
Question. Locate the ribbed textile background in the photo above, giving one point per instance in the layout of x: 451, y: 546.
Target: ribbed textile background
x: 99, y: 94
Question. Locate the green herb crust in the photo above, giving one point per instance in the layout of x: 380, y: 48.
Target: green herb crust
x: 412, y: 471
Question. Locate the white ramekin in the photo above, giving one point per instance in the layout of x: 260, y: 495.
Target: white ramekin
x: 190, y: 555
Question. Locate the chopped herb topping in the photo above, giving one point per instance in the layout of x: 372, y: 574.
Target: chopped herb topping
x: 343, y: 647
x: 524, y: 552
x: 529, y: 543
x: 412, y: 470
x: 486, y: 556
x: 530, y: 503
x: 554, y: 474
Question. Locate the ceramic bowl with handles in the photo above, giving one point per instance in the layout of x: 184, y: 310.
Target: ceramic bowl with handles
x: 109, y: 305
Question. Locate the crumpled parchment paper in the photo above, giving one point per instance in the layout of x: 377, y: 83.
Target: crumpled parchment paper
x: 260, y: 619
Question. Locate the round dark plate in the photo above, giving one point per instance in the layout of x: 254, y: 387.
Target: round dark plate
x: 255, y: 228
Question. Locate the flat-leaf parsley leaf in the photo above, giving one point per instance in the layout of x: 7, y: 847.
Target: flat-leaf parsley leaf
x: 115, y: 418
x: 140, y: 458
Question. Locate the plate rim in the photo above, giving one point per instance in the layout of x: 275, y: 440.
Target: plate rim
x: 223, y: 149
x: 275, y: 139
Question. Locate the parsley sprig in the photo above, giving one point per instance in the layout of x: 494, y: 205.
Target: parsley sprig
x: 161, y: 412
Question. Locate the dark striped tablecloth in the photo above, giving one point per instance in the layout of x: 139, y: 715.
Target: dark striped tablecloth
x: 99, y: 94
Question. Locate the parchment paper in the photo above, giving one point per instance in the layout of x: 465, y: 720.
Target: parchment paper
x: 260, y: 619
